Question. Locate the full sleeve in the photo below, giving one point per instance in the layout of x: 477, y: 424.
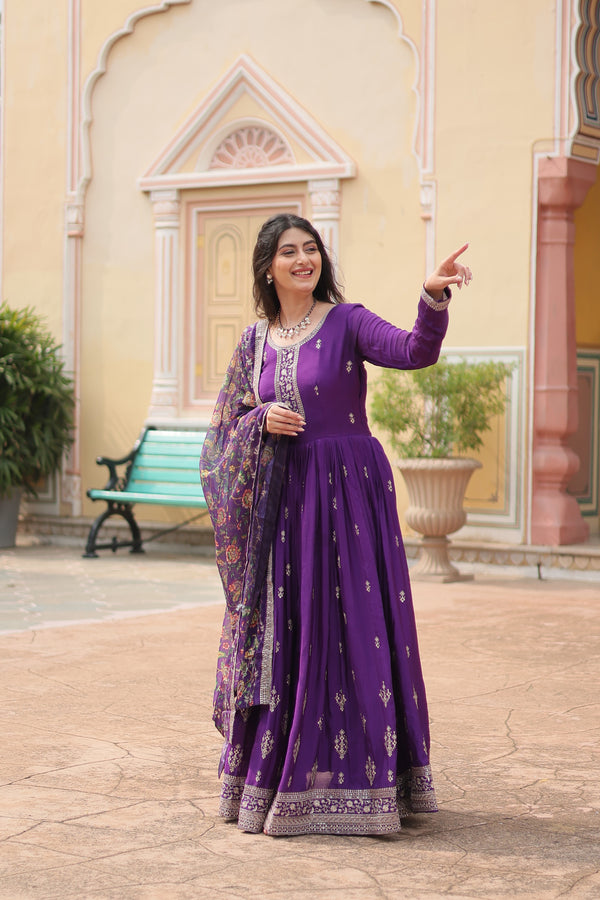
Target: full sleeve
x: 383, y: 344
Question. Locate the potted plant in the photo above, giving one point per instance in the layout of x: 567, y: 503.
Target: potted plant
x: 432, y: 417
x: 36, y: 411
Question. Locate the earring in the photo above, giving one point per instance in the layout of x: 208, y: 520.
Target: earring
x: 269, y: 278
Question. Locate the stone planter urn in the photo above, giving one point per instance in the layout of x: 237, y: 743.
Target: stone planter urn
x: 436, y: 492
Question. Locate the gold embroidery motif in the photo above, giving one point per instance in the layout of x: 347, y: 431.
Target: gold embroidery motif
x: 368, y: 586
x: 356, y: 530
x: 275, y: 699
x: 349, y: 366
x: 235, y: 757
x: 296, y: 748
x: 267, y: 743
x: 366, y: 471
x: 283, y: 537
x: 258, y: 777
x: 385, y: 694
x: 351, y: 417
x: 340, y: 778
x: 407, y: 651
x: 415, y: 697
x: 390, y: 740
x: 377, y: 642
x: 341, y: 700
x: 341, y: 744
x: 390, y: 776
x: 402, y: 597
x: 390, y: 487
x: 371, y: 770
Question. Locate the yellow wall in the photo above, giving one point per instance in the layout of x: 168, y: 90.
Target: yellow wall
x: 357, y: 79
x: 33, y: 156
x: 587, y: 250
x: 494, y: 100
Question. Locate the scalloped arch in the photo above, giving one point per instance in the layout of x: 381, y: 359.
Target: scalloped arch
x: 164, y: 6
x: 92, y: 79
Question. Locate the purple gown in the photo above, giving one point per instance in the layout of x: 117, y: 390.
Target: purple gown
x: 343, y: 746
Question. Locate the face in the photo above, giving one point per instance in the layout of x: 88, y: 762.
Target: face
x: 296, y: 266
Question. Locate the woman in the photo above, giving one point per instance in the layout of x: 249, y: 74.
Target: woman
x: 319, y: 694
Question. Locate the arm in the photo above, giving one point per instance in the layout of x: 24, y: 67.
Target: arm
x: 383, y: 344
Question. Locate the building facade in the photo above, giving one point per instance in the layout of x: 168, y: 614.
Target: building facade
x: 144, y: 143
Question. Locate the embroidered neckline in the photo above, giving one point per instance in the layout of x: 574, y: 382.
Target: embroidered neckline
x: 303, y: 340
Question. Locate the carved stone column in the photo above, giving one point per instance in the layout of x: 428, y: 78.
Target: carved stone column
x: 70, y: 489
x: 556, y: 517
x: 325, y: 200
x: 164, y: 402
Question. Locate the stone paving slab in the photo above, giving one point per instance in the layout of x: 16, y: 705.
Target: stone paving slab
x: 108, y: 757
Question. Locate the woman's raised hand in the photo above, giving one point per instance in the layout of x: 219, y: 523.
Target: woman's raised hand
x: 450, y: 271
x: 280, y: 420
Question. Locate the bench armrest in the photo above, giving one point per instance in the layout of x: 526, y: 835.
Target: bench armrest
x: 114, y: 481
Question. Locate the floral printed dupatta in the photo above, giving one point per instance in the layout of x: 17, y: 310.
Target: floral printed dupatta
x: 241, y: 469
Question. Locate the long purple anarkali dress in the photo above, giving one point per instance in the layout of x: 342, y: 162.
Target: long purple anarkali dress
x: 339, y: 743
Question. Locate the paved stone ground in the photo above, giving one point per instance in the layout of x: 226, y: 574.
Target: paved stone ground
x: 108, y: 757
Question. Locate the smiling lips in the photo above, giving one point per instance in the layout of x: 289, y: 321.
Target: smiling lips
x: 303, y: 273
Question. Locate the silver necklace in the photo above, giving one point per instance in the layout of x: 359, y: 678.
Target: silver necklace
x: 293, y: 330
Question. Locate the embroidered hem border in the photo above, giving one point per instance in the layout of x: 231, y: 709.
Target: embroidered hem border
x: 327, y: 811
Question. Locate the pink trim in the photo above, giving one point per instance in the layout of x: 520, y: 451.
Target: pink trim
x: 245, y: 76
x: 556, y: 517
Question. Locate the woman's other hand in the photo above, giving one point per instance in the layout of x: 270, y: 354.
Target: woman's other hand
x: 281, y: 420
x: 448, y: 272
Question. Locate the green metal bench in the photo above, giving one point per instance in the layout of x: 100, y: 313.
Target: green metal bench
x: 162, y: 469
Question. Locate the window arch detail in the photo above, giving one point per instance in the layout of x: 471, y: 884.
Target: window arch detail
x: 251, y: 147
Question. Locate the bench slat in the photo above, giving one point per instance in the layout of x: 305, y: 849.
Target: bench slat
x: 157, y: 461
x: 166, y: 488
x: 142, y: 497
x: 165, y: 476
x: 175, y: 437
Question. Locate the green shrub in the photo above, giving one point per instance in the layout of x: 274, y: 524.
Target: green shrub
x: 36, y: 401
x: 441, y: 410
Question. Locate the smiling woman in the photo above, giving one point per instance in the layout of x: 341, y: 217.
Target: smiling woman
x: 319, y: 695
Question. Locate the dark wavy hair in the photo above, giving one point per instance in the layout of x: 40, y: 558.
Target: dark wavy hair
x: 266, y: 301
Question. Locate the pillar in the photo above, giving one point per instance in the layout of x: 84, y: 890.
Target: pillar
x: 164, y: 402
x: 325, y: 202
x: 555, y: 516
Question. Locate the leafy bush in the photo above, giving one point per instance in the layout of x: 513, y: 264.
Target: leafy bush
x: 36, y: 401
x: 441, y: 410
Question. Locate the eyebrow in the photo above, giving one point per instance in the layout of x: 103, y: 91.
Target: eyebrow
x: 283, y: 246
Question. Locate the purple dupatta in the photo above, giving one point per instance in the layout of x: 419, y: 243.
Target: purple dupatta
x: 241, y: 469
